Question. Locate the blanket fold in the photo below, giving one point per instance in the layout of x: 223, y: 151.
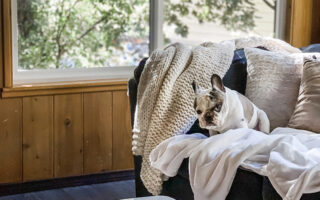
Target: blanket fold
x: 290, y: 158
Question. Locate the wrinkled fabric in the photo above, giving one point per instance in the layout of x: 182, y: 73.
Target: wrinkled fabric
x: 290, y: 158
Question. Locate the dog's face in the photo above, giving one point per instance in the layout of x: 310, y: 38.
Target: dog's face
x: 208, y: 103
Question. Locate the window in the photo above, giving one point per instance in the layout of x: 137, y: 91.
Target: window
x: 216, y: 21
x: 66, y: 40
x: 77, y: 39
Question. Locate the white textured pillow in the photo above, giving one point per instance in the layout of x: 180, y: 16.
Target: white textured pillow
x: 273, y: 83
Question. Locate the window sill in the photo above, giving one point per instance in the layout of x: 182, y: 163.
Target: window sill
x: 38, y: 89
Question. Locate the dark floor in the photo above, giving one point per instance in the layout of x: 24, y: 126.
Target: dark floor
x: 104, y: 191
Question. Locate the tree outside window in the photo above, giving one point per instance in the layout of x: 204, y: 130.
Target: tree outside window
x: 60, y: 34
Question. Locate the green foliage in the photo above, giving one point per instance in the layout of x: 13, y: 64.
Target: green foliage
x: 74, y: 33
x: 232, y: 14
x: 85, y: 33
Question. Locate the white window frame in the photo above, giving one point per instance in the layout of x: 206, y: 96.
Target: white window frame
x: 35, y: 76
x: 80, y: 74
x: 280, y: 19
x: 156, y: 24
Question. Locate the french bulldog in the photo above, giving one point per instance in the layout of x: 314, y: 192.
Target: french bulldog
x: 220, y: 109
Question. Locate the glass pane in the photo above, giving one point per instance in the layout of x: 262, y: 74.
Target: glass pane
x: 64, y: 34
x: 195, y: 21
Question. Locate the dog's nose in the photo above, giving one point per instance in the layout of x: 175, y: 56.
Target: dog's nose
x: 208, y: 118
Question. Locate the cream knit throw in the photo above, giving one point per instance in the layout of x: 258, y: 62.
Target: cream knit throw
x: 165, y: 95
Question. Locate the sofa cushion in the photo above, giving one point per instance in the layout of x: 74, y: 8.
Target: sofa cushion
x: 311, y: 48
x: 308, y: 106
x: 236, y: 76
x: 273, y: 83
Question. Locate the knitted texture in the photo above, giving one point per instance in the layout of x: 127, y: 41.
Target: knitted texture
x: 151, y: 79
x: 165, y: 96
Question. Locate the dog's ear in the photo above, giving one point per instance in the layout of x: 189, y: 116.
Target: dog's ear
x: 195, y: 87
x: 216, y: 82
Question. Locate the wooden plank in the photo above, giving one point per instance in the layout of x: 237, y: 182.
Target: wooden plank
x: 9, y: 93
x: 121, y: 154
x: 37, y: 138
x: 7, y: 43
x: 315, y: 37
x: 65, y: 88
x: 1, y: 45
x: 97, y: 132
x: 288, y: 20
x: 10, y: 140
x: 301, y: 23
x: 70, y: 84
x: 68, y: 135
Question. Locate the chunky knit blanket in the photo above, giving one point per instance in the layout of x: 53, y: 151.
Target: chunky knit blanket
x: 165, y: 96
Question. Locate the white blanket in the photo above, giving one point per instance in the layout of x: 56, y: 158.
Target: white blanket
x: 290, y: 158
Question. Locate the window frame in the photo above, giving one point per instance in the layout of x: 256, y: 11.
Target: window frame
x: 155, y: 41
x: 7, y: 45
x: 37, y: 76
x: 280, y: 19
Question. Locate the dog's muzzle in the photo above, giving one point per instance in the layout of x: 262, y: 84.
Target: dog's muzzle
x: 208, y: 118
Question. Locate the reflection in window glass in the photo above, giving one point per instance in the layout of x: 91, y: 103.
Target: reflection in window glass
x: 59, y: 34
x: 195, y: 21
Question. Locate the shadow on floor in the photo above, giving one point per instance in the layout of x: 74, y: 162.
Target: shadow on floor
x: 105, y: 191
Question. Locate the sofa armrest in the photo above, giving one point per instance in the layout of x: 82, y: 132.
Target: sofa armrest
x: 133, y: 87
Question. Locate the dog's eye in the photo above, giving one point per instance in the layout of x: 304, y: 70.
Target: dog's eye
x: 199, y: 112
x: 217, y: 107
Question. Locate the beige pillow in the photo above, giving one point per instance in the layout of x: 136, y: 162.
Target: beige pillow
x: 273, y: 83
x: 307, y: 111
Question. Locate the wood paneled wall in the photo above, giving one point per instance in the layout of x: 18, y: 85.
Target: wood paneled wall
x: 10, y: 140
x: 303, y: 22
x: 98, y: 154
x: 37, y: 137
x: 45, y: 137
x: 315, y: 35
